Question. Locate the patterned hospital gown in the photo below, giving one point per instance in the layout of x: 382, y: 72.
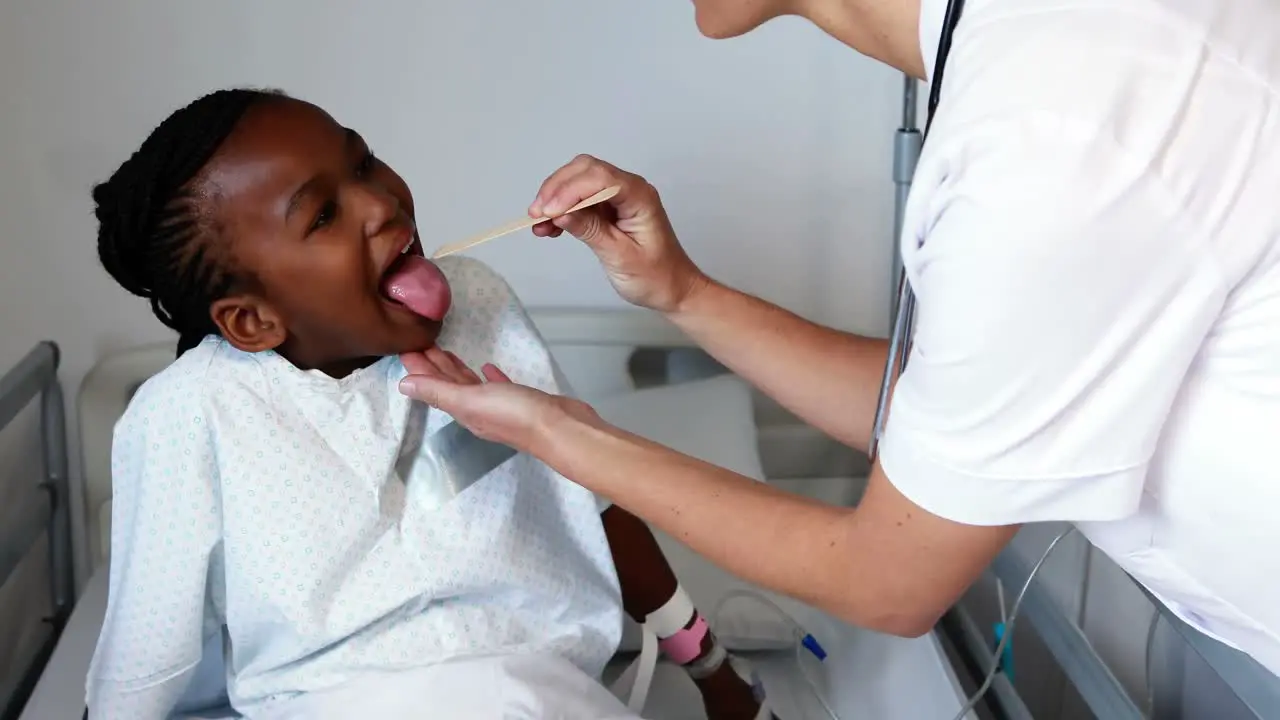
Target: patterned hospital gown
x: 277, y: 507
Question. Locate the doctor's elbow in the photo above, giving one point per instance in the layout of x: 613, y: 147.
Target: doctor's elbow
x: 901, y: 621
x: 906, y: 624
x: 909, y: 626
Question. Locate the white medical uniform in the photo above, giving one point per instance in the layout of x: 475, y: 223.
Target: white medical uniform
x: 1093, y: 237
x: 293, y: 514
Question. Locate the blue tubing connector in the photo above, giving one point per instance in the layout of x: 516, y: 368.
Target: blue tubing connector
x: 812, y: 645
x: 1006, y: 655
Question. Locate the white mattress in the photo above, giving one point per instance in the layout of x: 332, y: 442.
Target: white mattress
x: 60, y: 692
x: 866, y: 674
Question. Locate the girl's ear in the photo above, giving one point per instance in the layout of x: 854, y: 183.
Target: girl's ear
x: 249, y: 323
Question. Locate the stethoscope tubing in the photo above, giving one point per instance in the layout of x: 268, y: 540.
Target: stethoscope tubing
x: 904, y: 316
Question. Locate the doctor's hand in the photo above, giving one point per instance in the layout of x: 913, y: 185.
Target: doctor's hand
x: 493, y: 408
x: 630, y: 233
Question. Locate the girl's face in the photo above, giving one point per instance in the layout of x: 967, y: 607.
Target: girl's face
x: 314, y: 224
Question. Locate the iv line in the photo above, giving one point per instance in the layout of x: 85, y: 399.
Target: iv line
x: 802, y: 635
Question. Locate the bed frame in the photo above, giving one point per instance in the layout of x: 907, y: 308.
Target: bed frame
x: 1256, y: 689
x: 605, y: 352
x: 21, y: 526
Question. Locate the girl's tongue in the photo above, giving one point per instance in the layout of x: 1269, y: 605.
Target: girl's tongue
x: 419, y: 285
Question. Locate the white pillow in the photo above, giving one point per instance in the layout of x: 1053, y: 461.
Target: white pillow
x: 711, y: 420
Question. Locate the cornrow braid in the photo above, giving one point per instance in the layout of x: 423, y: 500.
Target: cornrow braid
x: 155, y: 233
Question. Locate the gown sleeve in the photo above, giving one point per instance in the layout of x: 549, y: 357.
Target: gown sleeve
x: 165, y: 529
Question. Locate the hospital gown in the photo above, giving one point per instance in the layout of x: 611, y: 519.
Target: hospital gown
x: 285, y: 511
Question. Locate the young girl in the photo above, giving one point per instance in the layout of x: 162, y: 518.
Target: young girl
x: 271, y: 490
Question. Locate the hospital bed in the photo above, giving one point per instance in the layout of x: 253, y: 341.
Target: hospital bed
x: 643, y: 375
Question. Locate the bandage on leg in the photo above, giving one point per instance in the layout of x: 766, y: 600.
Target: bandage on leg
x: 686, y: 645
x: 679, y: 631
x: 679, y: 627
x: 672, y: 617
x: 666, y: 622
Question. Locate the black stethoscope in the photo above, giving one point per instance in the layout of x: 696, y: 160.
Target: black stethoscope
x: 904, y: 317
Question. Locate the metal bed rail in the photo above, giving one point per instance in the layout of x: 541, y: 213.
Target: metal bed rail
x: 36, y: 376
x: 1256, y: 688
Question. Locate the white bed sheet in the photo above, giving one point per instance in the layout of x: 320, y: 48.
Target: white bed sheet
x: 865, y: 675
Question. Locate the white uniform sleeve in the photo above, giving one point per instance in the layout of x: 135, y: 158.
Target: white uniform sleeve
x: 1062, y: 298
x: 515, y: 345
x: 165, y: 526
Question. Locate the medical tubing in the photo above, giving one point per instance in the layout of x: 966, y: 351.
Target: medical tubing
x: 804, y: 641
x: 1008, y: 631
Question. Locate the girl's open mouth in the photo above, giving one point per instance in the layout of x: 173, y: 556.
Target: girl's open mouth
x: 416, y: 283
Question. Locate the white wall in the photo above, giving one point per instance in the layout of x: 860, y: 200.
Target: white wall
x: 772, y: 151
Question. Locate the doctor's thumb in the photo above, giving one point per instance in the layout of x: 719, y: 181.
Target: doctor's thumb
x: 433, y: 392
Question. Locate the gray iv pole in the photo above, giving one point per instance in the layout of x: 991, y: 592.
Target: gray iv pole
x: 907, y: 143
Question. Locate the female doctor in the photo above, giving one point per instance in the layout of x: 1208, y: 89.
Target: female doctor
x: 1092, y: 239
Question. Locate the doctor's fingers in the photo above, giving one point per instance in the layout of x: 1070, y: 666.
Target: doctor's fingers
x: 440, y: 364
x: 493, y: 373
x: 580, y: 179
x: 444, y: 365
x: 542, y: 204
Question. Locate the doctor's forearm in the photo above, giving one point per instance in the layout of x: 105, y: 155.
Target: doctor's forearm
x: 778, y: 540
x: 830, y: 379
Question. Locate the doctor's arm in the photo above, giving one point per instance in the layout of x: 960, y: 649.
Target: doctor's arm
x: 839, y: 384
x: 1058, y: 317
x: 847, y: 561
x: 829, y: 378
x: 887, y: 564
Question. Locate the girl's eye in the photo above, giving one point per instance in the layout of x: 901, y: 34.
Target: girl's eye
x: 366, y: 164
x: 327, y: 212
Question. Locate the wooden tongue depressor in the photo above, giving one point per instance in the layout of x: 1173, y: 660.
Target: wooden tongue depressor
x: 521, y: 224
